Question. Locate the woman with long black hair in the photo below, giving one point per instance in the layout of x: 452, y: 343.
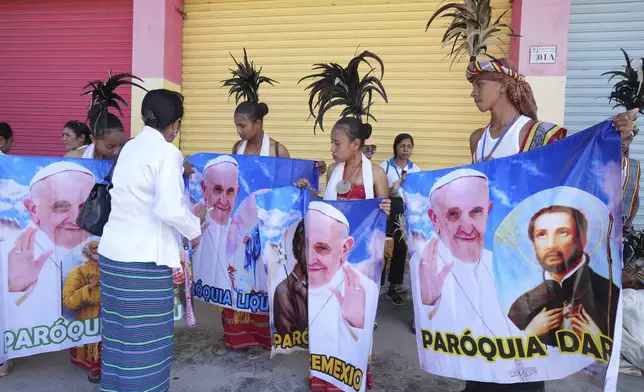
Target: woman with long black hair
x: 396, y: 170
x: 139, y: 248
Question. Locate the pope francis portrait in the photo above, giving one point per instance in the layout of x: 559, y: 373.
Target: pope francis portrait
x: 35, y: 260
x: 457, y: 289
x: 220, y: 186
x: 342, y: 301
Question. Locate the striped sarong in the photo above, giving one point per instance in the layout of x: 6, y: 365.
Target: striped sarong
x: 137, y: 320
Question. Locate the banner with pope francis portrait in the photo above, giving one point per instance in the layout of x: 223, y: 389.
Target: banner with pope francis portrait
x: 227, y: 265
x: 49, y: 278
x: 324, y: 265
x: 516, y: 263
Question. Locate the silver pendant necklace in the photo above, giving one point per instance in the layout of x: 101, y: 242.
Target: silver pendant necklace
x: 343, y: 187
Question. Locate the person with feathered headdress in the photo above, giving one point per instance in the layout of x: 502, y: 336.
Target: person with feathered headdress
x: 628, y: 93
x: 498, y: 87
x: 107, y: 136
x: 352, y: 176
x: 244, y: 330
x: 250, y: 113
x: 106, y: 129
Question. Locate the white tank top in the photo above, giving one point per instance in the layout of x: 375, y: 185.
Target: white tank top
x: 509, y: 145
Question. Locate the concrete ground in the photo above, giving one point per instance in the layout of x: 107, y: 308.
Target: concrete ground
x: 196, y: 368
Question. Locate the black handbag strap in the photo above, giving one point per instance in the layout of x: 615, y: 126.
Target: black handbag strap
x: 108, y: 177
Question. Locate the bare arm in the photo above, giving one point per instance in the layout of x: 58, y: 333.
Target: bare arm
x: 282, y: 151
x: 474, y: 141
x: 380, y: 183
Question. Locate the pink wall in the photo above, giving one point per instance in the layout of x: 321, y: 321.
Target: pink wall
x: 48, y: 52
x: 540, y: 23
x: 173, y: 41
x: 157, y: 39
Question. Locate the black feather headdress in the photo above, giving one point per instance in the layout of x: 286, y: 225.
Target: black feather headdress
x: 628, y: 92
x: 246, y: 80
x: 339, y: 86
x: 471, y: 31
x: 104, y: 97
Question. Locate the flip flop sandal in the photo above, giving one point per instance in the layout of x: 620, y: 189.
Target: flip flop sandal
x: 221, y: 348
x: 94, y: 378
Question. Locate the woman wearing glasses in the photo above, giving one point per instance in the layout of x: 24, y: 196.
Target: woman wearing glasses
x: 396, y: 169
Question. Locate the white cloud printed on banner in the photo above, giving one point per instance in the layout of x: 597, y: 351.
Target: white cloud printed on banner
x: 273, y: 222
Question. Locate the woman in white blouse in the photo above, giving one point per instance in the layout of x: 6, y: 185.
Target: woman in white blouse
x: 396, y: 169
x: 139, y: 248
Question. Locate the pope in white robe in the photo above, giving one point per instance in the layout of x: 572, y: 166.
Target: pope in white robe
x: 457, y: 288
x: 36, y: 260
x: 220, y: 187
x: 342, y: 301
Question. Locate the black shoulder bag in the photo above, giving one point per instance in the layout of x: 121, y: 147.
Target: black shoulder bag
x: 96, y: 210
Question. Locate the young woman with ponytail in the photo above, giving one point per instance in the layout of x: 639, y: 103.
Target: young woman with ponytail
x: 106, y: 135
x: 352, y: 176
x: 106, y: 129
x: 244, y: 330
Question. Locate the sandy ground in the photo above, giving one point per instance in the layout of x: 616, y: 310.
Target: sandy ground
x: 197, y: 368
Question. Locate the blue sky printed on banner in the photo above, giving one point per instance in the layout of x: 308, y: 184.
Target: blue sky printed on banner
x: 255, y: 173
x: 588, y: 161
x: 17, y: 171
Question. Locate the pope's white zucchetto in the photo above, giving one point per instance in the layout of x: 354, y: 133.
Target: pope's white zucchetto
x: 455, y: 175
x: 220, y: 159
x: 330, y: 211
x: 58, y: 167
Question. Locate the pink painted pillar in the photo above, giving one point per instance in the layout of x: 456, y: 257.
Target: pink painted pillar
x: 157, y: 43
x: 542, y: 24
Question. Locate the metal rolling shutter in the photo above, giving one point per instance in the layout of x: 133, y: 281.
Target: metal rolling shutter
x: 598, y: 29
x: 49, y: 49
x: 287, y: 37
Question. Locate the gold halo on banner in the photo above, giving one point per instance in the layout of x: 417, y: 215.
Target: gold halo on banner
x: 567, y: 196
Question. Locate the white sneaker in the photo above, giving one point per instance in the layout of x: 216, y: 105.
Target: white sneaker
x: 5, y: 368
